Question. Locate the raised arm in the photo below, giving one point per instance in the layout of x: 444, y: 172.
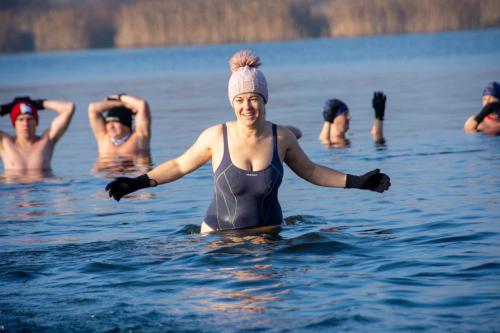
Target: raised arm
x: 378, y: 103
x: 197, y: 155
x: 142, y: 114
x: 96, y: 119
x: 60, y: 124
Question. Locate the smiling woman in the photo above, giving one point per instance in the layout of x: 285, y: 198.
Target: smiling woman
x: 247, y: 157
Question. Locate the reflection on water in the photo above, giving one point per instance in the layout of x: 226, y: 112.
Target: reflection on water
x: 110, y: 166
x: 423, y: 256
x: 24, y: 176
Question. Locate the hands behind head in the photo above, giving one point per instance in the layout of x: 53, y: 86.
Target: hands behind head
x: 6, y: 108
x: 378, y: 103
x: 116, y: 97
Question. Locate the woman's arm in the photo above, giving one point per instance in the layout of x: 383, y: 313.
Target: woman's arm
x: 320, y: 175
x: 193, y: 158
x: 314, y: 173
x: 197, y: 155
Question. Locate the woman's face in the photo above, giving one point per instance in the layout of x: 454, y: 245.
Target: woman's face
x: 249, y: 108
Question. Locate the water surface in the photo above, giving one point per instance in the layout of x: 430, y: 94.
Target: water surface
x: 423, y: 256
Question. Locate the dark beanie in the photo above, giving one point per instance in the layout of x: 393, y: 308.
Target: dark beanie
x: 120, y: 114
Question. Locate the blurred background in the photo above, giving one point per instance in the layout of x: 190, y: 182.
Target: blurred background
x: 52, y: 25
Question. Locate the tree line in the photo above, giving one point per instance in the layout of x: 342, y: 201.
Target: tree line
x: 47, y: 25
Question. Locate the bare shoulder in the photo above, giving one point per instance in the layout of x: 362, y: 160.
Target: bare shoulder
x: 5, y: 136
x: 210, y: 136
x: 286, y: 134
x: 212, y: 132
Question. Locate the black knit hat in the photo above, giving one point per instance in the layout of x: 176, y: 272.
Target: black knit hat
x: 120, y: 114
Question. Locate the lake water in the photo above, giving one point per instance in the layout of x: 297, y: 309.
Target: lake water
x: 422, y: 257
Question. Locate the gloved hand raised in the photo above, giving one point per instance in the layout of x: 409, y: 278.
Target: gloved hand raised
x: 378, y: 103
x: 373, y: 181
x: 123, y: 185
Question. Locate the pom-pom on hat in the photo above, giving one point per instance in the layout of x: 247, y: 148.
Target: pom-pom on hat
x: 23, y: 107
x: 245, y: 77
x: 492, y: 89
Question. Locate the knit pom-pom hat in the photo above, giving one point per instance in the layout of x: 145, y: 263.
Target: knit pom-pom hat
x: 245, y: 77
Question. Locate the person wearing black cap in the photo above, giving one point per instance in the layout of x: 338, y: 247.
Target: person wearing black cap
x: 337, y: 117
x: 111, y: 122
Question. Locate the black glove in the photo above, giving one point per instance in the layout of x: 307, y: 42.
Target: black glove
x: 37, y: 103
x: 378, y: 103
x: 331, y: 108
x: 373, y: 181
x: 123, y: 185
x: 488, y: 108
x: 5, y: 109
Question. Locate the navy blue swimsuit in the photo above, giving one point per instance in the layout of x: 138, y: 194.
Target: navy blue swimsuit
x: 245, y: 199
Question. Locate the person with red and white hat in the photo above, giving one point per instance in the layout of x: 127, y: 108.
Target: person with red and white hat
x: 26, y: 151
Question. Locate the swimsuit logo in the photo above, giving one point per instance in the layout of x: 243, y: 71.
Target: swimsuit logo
x: 252, y: 174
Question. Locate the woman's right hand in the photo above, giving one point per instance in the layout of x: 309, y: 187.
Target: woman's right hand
x: 122, y: 186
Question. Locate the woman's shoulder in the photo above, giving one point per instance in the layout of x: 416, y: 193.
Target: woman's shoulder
x: 213, y: 132
x: 288, y: 131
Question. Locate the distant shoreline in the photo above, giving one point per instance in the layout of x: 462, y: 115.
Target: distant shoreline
x: 46, y: 25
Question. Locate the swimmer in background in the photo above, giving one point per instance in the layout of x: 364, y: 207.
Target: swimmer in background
x: 26, y: 153
x: 121, y: 147
x: 488, y: 119
x: 247, y: 158
x: 337, y: 117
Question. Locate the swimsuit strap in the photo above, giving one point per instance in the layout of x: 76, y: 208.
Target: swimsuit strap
x: 226, y: 158
x: 275, y: 143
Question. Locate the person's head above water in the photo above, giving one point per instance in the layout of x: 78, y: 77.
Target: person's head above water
x: 492, y: 89
x: 120, y: 114
x: 491, y: 93
x: 245, y: 77
x: 23, y: 108
x: 334, y: 108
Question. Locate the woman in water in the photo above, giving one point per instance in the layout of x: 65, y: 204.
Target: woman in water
x: 247, y: 157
